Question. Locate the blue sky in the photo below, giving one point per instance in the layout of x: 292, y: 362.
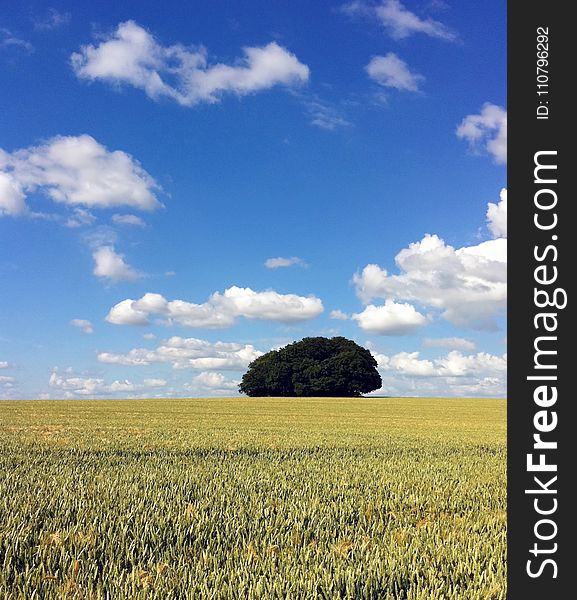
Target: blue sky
x: 184, y: 186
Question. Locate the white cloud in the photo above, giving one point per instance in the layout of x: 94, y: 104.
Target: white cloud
x: 4, y: 364
x: 188, y: 353
x: 497, y: 216
x: 79, y: 218
x: 269, y: 305
x: 133, y: 220
x: 75, y: 171
x: 391, y: 71
x: 155, y: 383
x: 221, y: 310
x: 149, y: 336
x: 12, y: 197
x: 77, y: 386
x: 390, y: 319
x: 455, y: 343
x: 73, y: 386
x: 131, y: 55
x: 280, y: 262
x: 468, y: 284
x: 110, y: 265
x: 453, y: 364
x: 486, y: 131
x: 52, y: 20
x: 7, y: 384
x: 84, y: 325
x: 455, y: 374
x: 324, y: 115
x: 399, y: 22
x: 9, y: 40
x: 456, y: 364
x: 124, y: 313
x: 338, y: 315
x: 215, y: 381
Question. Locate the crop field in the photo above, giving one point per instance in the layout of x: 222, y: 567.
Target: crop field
x: 252, y: 498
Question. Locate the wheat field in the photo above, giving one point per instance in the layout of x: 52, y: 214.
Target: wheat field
x: 368, y: 498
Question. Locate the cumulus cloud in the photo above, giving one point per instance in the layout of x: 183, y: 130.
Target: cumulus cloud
x: 188, y: 353
x: 214, y: 381
x: 455, y: 374
x: 74, y: 171
x: 280, y: 262
x: 84, y: 325
x: 454, y: 364
x: 390, y: 319
x: 72, y: 386
x: 131, y: 55
x: 338, y: 315
x: 221, y: 310
x: 486, y: 131
x: 497, y: 216
x: 469, y: 284
x: 392, y: 72
x: 132, y: 220
x: 455, y: 343
x: 4, y: 364
x: 398, y: 21
x: 108, y: 264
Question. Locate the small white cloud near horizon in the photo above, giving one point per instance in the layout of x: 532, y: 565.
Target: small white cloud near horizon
x: 453, y: 343
x: 84, y: 325
x: 455, y: 374
x: 281, y: 262
x: 131, y: 55
x: 108, y: 264
x: 74, y: 171
x: 392, y: 72
x: 392, y: 318
x: 486, y: 131
x: 221, y: 310
x: 155, y: 382
x: 4, y: 364
x: 72, y: 386
x: 210, y: 379
x: 399, y: 22
x: 497, y: 216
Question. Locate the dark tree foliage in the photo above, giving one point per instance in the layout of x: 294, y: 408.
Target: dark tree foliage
x: 315, y: 366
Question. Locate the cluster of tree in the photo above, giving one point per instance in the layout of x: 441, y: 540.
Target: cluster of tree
x: 315, y: 366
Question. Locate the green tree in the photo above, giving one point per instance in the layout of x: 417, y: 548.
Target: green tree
x: 313, y: 367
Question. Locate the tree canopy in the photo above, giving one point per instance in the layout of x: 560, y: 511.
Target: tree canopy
x: 315, y: 366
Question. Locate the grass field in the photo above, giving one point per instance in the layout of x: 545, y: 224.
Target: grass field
x: 253, y: 498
